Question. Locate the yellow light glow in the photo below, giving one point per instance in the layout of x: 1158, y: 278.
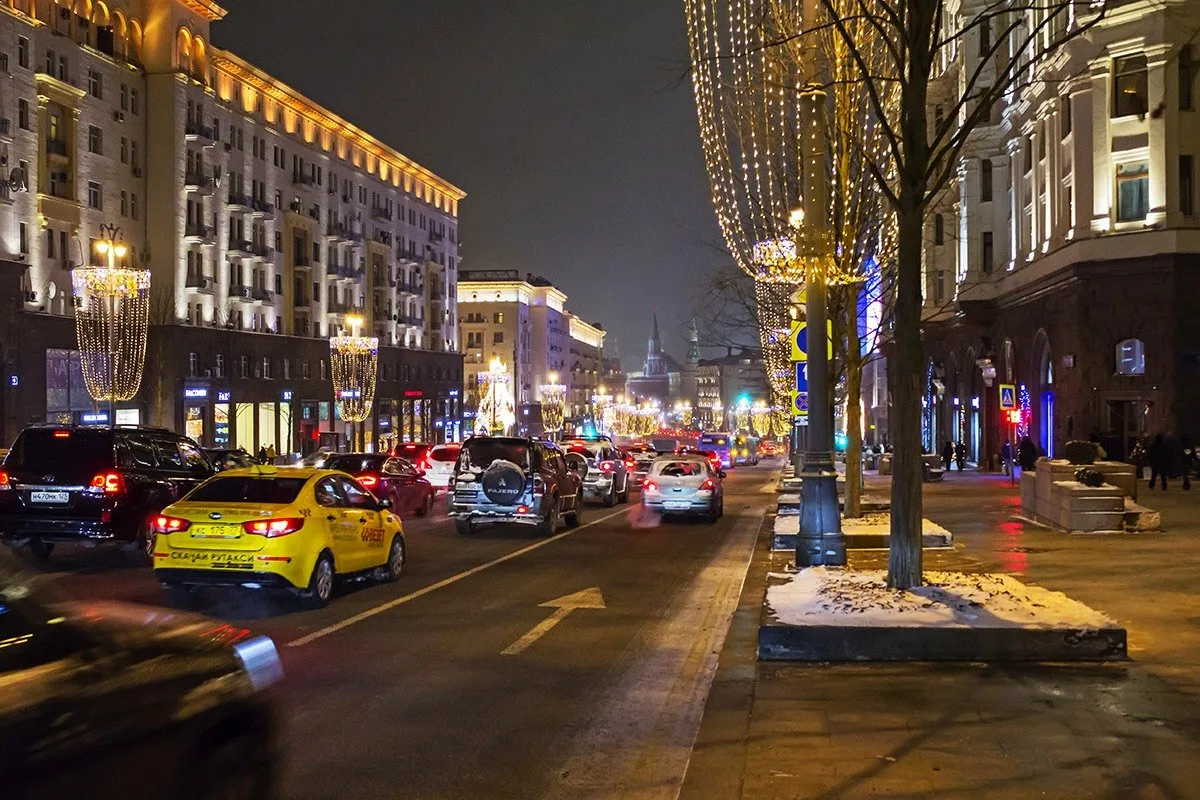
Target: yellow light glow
x: 102, y: 247
x: 120, y: 249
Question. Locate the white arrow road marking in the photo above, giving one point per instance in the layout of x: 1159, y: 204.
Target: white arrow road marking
x: 588, y: 598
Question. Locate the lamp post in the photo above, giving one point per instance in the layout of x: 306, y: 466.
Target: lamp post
x: 111, y: 323
x: 355, y: 361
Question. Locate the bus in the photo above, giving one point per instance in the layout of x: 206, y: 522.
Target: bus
x: 721, y: 444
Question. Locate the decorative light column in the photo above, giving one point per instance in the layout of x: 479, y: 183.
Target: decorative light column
x: 355, y: 362
x: 602, y: 405
x: 760, y: 418
x: 111, y: 323
x: 497, y: 409
x: 553, y: 397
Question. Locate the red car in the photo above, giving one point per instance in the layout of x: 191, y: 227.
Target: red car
x: 388, y: 478
x: 415, y: 453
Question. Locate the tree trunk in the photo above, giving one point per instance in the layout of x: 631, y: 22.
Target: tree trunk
x: 904, y: 376
x: 854, y: 439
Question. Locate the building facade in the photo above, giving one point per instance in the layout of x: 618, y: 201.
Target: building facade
x: 523, y: 321
x: 1064, y: 259
x: 267, y: 222
x: 723, y: 382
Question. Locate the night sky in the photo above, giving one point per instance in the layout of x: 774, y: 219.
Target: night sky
x: 565, y: 122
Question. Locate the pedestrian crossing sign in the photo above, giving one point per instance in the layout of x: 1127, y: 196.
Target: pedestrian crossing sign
x: 1008, y: 397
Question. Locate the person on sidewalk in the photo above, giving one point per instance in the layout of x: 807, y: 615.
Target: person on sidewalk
x: 1187, y: 459
x: 960, y: 456
x: 1160, y: 460
x: 947, y: 455
x: 1027, y: 453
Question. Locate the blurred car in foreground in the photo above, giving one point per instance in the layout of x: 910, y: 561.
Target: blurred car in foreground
x: 106, y: 700
x: 229, y: 459
x: 440, y: 465
x: 684, y: 485
x: 390, y: 478
x: 268, y: 527
x: 92, y: 485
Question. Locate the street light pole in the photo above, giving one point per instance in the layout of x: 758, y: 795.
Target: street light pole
x: 820, y: 541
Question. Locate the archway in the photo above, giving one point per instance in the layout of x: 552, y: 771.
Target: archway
x: 183, y: 50
x: 1043, y: 400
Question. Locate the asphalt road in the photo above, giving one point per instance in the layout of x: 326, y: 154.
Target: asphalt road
x: 458, y: 682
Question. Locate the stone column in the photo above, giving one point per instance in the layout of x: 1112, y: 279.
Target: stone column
x: 1103, y: 195
x: 1162, y: 93
x: 1081, y: 160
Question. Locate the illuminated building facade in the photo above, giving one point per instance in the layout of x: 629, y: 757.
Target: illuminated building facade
x: 264, y: 218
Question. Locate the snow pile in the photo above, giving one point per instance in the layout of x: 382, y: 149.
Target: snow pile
x: 861, y: 598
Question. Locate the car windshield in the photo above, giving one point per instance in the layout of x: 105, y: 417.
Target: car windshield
x: 50, y: 450
x: 354, y: 463
x: 245, y: 489
x: 443, y: 453
x: 588, y: 451
x: 665, y: 445
x: 480, y: 453
x: 679, y: 469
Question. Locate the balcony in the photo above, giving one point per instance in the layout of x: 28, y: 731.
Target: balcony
x: 300, y: 179
x: 240, y: 248
x: 199, y: 234
x: 261, y: 208
x: 56, y: 147
x: 406, y: 257
x: 434, y: 236
x: 302, y: 262
x: 381, y: 213
x: 263, y: 295
x: 195, y: 132
x: 239, y: 203
x: 262, y: 252
x: 302, y: 303
x: 201, y: 283
x: 240, y: 293
x: 200, y: 184
x: 342, y: 233
x: 383, y: 237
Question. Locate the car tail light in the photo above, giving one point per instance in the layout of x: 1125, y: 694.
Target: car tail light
x: 708, y: 484
x: 108, y: 482
x: 522, y: 509
x: 649, y: 486
x: 62, y: 434
x: 369, y: 481
x: 271, y: 528
x: 165, y: 524
x: 607, y: 466
x: 4, y: 484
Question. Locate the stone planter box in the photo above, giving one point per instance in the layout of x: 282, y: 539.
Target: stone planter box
x: 1053, y: 497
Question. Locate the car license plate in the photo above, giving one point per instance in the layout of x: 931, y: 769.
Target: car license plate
x: 676, y: 505
x: 50, y: 497
x: 215, y: 531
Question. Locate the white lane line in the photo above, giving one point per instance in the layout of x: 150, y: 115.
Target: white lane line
x: 433, y: 587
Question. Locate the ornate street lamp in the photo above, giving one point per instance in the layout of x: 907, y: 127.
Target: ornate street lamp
x: 553, y: 397
x: 497, y: 408
x: 111, y: 322
x: 355, y: 362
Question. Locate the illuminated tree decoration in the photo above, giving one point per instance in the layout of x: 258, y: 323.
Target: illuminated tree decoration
x: 553, y: 397
x: 111, y: 321
x: 760, y: 416
x: 781, y: 421
x: 718, y: 415
x: 1026, y: 405
x: 602, y: 404
x: 497, y: 409
x: 355, y: 362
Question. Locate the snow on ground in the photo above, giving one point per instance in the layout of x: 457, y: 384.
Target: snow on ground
x: 877, y: 523
x: 861, y: 598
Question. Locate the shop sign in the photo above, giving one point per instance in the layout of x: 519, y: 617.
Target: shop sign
x: 195, y: 393
x: 414, y: 393
x: 95, y: 418
x: 224, y: 397
x: 286, y: 395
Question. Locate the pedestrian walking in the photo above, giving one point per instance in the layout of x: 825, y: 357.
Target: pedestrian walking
x: 271, y: 454
x: 262, y: 455
x: 1027, y: 453
x: 947, y: 455
x: 960, y: 455
x: 1187, y: 459
x: 1160, y: 460
x: 1006, y: 455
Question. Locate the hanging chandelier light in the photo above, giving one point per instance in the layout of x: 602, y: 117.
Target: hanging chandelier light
x: 553, y: 397
x: 497, y: 408
x: 111, y: 322
x: 355, y: 362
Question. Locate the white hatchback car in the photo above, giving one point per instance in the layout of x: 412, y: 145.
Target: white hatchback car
x: 684, y: 485
x: 439, y: 465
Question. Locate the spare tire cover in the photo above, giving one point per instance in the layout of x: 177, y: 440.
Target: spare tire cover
x: 503, y: 483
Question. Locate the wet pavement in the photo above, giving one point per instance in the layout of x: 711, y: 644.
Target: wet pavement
x: 1127, y: 730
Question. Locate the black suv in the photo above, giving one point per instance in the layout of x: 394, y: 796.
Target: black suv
x: 508, y: 479
x: 82, y: 484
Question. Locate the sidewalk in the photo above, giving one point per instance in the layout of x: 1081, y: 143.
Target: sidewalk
x: 1131, y: 730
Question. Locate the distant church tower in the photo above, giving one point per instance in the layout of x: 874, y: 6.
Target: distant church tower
x: 689, y: 388
x: 655, y: 364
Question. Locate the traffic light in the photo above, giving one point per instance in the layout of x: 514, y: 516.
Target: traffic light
x: 1014, y: 416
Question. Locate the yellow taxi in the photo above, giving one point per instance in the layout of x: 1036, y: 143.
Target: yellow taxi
x: 266, y: 527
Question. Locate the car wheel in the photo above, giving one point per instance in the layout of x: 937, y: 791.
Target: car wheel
x: 182, y: 595
x: 549, y: 524
x: 395, y: 563
x: 320, y: 583
x: 141, y: 550
x: 576, y: 516
x: 610, y: 497
x: 625, y: 493
x: 721, y: 508
x: 426, y: 506
x: 464, y: 527
x: 40, y: 550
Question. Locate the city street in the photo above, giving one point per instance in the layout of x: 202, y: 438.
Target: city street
x: 405, y: 690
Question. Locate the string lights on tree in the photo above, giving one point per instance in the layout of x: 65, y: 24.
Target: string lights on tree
x: 111, y: 322
x: 553, y: 397
x: 497, y: 407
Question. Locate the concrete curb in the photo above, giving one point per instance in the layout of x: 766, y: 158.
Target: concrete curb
x: 845, y: 643
x: 867, y: 541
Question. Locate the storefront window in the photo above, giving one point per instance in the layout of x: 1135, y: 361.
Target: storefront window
x: 266, y: 426
x: 243, y: 426
x: 221, y: 425
x: 193, y: 423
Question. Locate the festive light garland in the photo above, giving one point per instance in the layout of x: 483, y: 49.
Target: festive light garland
x: 111, y: 322
x: 760, y: 418
x: 355, y: 365
x: 497, y: 407
x: 553, y: 397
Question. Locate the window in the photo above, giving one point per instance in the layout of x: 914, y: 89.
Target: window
x: 51, y: 60
x: 986, y: 255
x: 1187, y: 188
x: 95, y: 140
x: 23, y: 52
x: 125, y: 205
x: 498, y: 337
x: 124, y: 97
x: 266, y: 368
x: 95, y: 85
x: 1064, y: 107
x: 62, y: 69
x: 939, y: 229
x: 219, y: 367
x: 50, y: 243
x: 1131, y: 357
x: 193, y: 364
x: 1129, y: 86
x: 124, y: 150
x: 940, y: 286
x: 94, y: 195
x: 985, y: 181
x: 134, y: 104
x: 498, y: 317
x: 1187, y: 77
x: 985, y: 36
x: 287, y: 369
x: 24, y: 234
x: 1133, y: 191
x: 23, y: 114
x: 133, y: 154
x: 133, y: 206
